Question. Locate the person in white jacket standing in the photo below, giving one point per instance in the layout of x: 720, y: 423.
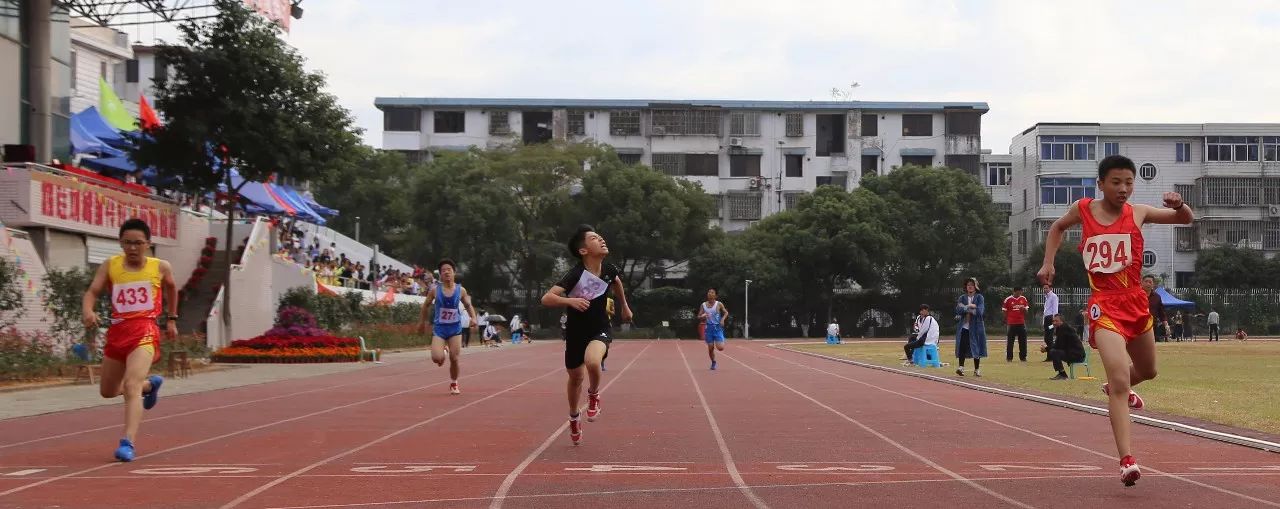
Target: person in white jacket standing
x: 926, y: 328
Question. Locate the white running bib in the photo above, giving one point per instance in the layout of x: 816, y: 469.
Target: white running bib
x: 448, y: 315
x: 589, y: 287
x: 132, y: 297
x: 1107, y: 253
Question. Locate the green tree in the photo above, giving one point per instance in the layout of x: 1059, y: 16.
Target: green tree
x: 725, y: 262
x: 652, y: 221
x: 240, y: 99
x: 1233, y: 267
x: 374, y: 186
x: 945, y: 226
x: 1068, y: 268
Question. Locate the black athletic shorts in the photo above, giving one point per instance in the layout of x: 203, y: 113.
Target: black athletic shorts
x: 575, y: 350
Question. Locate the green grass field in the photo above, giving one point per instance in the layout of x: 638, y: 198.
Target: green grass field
x: 1227, y: 382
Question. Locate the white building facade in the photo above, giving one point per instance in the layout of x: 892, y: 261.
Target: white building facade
x: 756, y: 157
x: 1229, y: 174
x: 99, y: 53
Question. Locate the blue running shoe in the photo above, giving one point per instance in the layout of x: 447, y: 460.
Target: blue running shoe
x: 149, y: 399
x: 125, y: 451
x: 713, y: 365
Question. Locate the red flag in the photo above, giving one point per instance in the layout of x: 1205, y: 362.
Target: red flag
x: 147, y: 116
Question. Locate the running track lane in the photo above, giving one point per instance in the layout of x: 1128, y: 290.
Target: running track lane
x: 757, y: 388
x: 1015, y: 440
x: 265, y: 439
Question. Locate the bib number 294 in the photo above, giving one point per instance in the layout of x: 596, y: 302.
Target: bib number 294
x: 1107, y: 253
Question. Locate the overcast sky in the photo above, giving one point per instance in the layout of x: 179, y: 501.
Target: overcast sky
x: 1190, y: 61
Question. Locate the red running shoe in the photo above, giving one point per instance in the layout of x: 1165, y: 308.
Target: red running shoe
x: 575, y: 431
x: 1129, y: 471
x: 593, y: 406
x: 1135, y: 401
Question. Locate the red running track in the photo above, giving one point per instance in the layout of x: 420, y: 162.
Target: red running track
x: 770, y: 428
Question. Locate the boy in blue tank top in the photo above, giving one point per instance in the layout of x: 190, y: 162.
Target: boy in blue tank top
x: 445, y: 302
x: 713, y: 313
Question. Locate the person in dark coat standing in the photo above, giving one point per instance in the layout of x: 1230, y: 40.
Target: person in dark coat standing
x: 971, y: 333
x: 1156, y: 306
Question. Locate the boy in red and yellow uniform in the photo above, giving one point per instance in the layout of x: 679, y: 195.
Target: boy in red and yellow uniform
x: 1119, y: 318
x: 137, y: 284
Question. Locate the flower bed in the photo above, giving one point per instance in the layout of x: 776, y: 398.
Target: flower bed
x: 294, y: 339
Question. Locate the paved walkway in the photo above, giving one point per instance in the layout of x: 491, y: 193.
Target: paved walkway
x: 25, y: 403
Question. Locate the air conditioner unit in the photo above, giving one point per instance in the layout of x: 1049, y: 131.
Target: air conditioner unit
x: 1273, y: 210
x: 755, y: 183
x: 735, y: 142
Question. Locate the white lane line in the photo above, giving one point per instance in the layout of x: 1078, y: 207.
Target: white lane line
x: 724, y: 448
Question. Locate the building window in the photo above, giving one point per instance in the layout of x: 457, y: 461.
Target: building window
x: 795, y: 165
x: 1185, y: 279
x: 998, y: 174
x: 1183, y: 152
x: 1070, y: 237
x: 925, y: 161
x: 971, y: 164
x: 499, y: 122
x: 1004, y: 208
x: 719, y: 206
x: 964, y: 123
x: 1234, y: 233
x: 1148, y: 259
x: 744, y: 123
x: 1022, y: 241
x: 75, y: 62
x: 102, y: 71
x: 795, y: 125
x: 1185, y: 238
x: 624, y: 122
x: 1110, y: 148
x: 1271, y: 148
x: 629, y: 159
x: 1024, y: 199
x: 131, y: 70
x: 1147, y: 171
x: 1237, y: 191
x: 1065, y: 191
x: 870, y: 165
x: 870, y: 125
x: 1231, y: 148
x: 917, y: 125
x: 830, y: 138
x: 1068, y: 148
x: 450, y: 122
x: 686, y: 123
x: 704, y: 165
x: 160, y: 71
x: 577, y: 123
x: 791, y: 199
x: 832, y: 181
x: 744, y: 165
x: 744, y: 206
x: 401, y: 119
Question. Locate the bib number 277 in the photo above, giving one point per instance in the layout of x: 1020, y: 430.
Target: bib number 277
x: 1108, y: 253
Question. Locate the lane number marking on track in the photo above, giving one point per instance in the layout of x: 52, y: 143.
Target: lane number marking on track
x: 194, y: 470
x: 1052, y: 467
x: 411, y: 469
x: 626, y: 468
x: 28, y: 471
x: 803, y: 467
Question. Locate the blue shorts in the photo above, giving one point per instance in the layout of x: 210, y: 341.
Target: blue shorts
x: 447, y: 330
x: 715, y: 335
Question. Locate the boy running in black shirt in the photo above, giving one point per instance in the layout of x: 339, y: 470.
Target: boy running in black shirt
x: 582, y: 290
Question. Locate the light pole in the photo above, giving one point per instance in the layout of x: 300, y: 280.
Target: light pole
x: 746, y: 311
x: 357, y: 228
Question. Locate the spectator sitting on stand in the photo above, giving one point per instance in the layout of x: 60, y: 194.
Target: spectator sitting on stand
x: 1067, y: 347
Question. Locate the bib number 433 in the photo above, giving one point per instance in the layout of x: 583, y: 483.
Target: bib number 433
x: 1108, y: 253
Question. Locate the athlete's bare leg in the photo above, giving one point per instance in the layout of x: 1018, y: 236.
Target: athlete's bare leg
x: 1142, y: 353
x: 1116, y: 362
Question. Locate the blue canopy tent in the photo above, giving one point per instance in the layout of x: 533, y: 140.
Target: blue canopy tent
x: 84, y: 142
x: 256, y: 194
x: 321, y: 209
x: 305, y: 212
x: 1171, y: 302
x: 92, y: 123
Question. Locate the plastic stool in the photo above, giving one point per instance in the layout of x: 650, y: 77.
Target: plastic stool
x: 1071, y: 367
x: 515, y: 337
x: 833, y: 340
x: 926, y: 357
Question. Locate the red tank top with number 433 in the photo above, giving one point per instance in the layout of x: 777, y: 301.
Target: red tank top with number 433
x: 1112, y: 253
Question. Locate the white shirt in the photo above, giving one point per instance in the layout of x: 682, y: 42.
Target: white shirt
x: 1213, y: 318
x: 833, y: 329
x: 1050, y: 303
x: 928, y: 329
x: 464, y: 315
